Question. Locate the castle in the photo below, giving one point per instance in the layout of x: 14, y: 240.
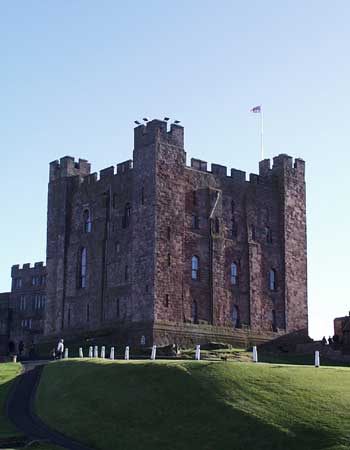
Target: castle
x: 160, y: 252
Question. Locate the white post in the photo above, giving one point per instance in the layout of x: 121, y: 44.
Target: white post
x: 154, y: 350
x: 103, y: 352
x: 255, y: 354
x: 127, y: 352
x: 90, y: 352
x: 198, y: 352
x: 112, y: 353
x: 81, y: 353
x: 95, y: 351
x: 317, y: 358
x: 66, y: 353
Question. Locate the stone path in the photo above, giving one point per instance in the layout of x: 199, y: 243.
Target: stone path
x: 20, y: 409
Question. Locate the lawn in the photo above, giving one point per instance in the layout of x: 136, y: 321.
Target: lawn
x: 8, y: 372
x: 197, y: 405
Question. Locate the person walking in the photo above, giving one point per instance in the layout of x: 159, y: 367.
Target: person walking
x: 60, y: 349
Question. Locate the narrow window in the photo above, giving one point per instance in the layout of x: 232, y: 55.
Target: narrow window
x: 272, y: 280
x: 118, y: 307
x: 195, y: 222
x: 146, y: 288
x: 126, y: 274
x: 88, y: 312
x: 168, y: 233
x: 167, y: 300
x: 43, y: 280
x: 194, y: 312
x: 217, y: 225
x: 234, y: 274
x: 87, y: 221
x: 33, y: 281
x: 235, y: 316
x: 169, y: 260
x: 127, y: 215
x: 30, y: 323
x: 274, y: 323
x: 23, y: 301
x: 18, y: 283
x: 82, y: 274
x: 195, y: 268
x: 143, y: 196
x: 194, y: 198
x: 268, y: 235
x: 117, y: 248
x: 234, y: 230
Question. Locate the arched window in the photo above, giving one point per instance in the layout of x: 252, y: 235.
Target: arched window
x: 235, y: 316
x: 195, y: 268
x: 234, y: 274
x: 87, y: 221
x: 82, y: 268
x: 194, y: 312
x: 272, y: 280
x: 127, y: 215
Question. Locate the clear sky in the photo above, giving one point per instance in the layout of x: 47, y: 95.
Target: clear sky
x: 74, y: 75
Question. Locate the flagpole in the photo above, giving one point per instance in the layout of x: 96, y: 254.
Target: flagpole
x: 262, y: 134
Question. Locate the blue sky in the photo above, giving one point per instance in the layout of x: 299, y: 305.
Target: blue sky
x: 75, y: 75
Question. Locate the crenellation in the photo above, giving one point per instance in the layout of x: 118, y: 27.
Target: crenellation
x: 68, y: 167
x: 125, y: 166
x: 282, y: 163
x: 154, y: 130
x: 265, y: 167
x: 198, y: 164
x: 218, y: 169
x: 238, y: 176
x: 107, y: 173
x: 253, y: 178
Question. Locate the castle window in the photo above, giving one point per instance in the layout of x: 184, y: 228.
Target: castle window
x: 268, y: 235
x: 118, y: 307
x: 195, y: 222
x: 22, y: 303
x: 252, y: 233
x: 127, y: 215
x: 272, y: 280
x: 217, y: 225
x: 126, y: 274
x: 87, y: 221
x: 234, y: 274
x: 143, y: 196
x: 82, y: 268
x: 35, y: 281
x: 235, y: 316
x: 194, y: 312
x: 167, y: 300
x: 43, y: 280
x: 169, y: 260
x: 117, y: 247
x: 195, y: 268
x: 234, y: 230
x: 18, y: 283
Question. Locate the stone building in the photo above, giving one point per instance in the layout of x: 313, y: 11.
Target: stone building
x: 160, y: 252
x: 342, y: 330
x: 27, y: 303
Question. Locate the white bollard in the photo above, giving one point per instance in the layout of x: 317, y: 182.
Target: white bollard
x: 112, y: 353
x: 81, y: 353
x: 95, y: 351
x: 198, y: 352
x: 255, y: 354
x: 154, y: 351
x: 90, y: 352
x: 66, y: 353
x: 127, y: 352
x: 103, y: 352
x: 317, y: 358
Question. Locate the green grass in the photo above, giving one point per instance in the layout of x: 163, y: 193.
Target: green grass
x: 197, y: 405
x: 8, y: 372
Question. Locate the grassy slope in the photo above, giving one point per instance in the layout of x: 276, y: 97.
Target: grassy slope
x: 197, y: 405
x: 8, y: 371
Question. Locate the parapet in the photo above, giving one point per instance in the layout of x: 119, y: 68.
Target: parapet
x: 217, y: 169
x: 124, y: 166
x: 68, y: 167
x: 158, y: 130
x: 282, y: 164
x: 198, y: 164
x: 17, y: 269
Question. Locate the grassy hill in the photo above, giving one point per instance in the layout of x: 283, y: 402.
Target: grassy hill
x: 197, y: 405
x: 8, y: 372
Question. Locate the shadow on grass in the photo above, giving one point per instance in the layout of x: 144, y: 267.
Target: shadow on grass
x: 145, y: 406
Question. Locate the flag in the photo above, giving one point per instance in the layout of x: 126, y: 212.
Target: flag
x: 256, y: 109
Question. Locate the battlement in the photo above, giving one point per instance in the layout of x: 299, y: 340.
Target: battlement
x: 238, y: 176
x: 28, y: 268
x: 158, y: 130
x: 282, y: 164
x: 68, y: 167
x: 108, y: 172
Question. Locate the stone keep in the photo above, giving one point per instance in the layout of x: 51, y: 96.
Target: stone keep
x: 120, y: 247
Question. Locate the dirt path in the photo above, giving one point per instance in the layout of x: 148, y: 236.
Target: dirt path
x: 20, y: 410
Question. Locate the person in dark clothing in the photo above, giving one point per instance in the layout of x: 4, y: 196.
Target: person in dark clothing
x: 330, y: 341
x: 324, y: 340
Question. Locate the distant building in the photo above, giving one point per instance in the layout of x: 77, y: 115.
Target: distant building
x: 342, y: 329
